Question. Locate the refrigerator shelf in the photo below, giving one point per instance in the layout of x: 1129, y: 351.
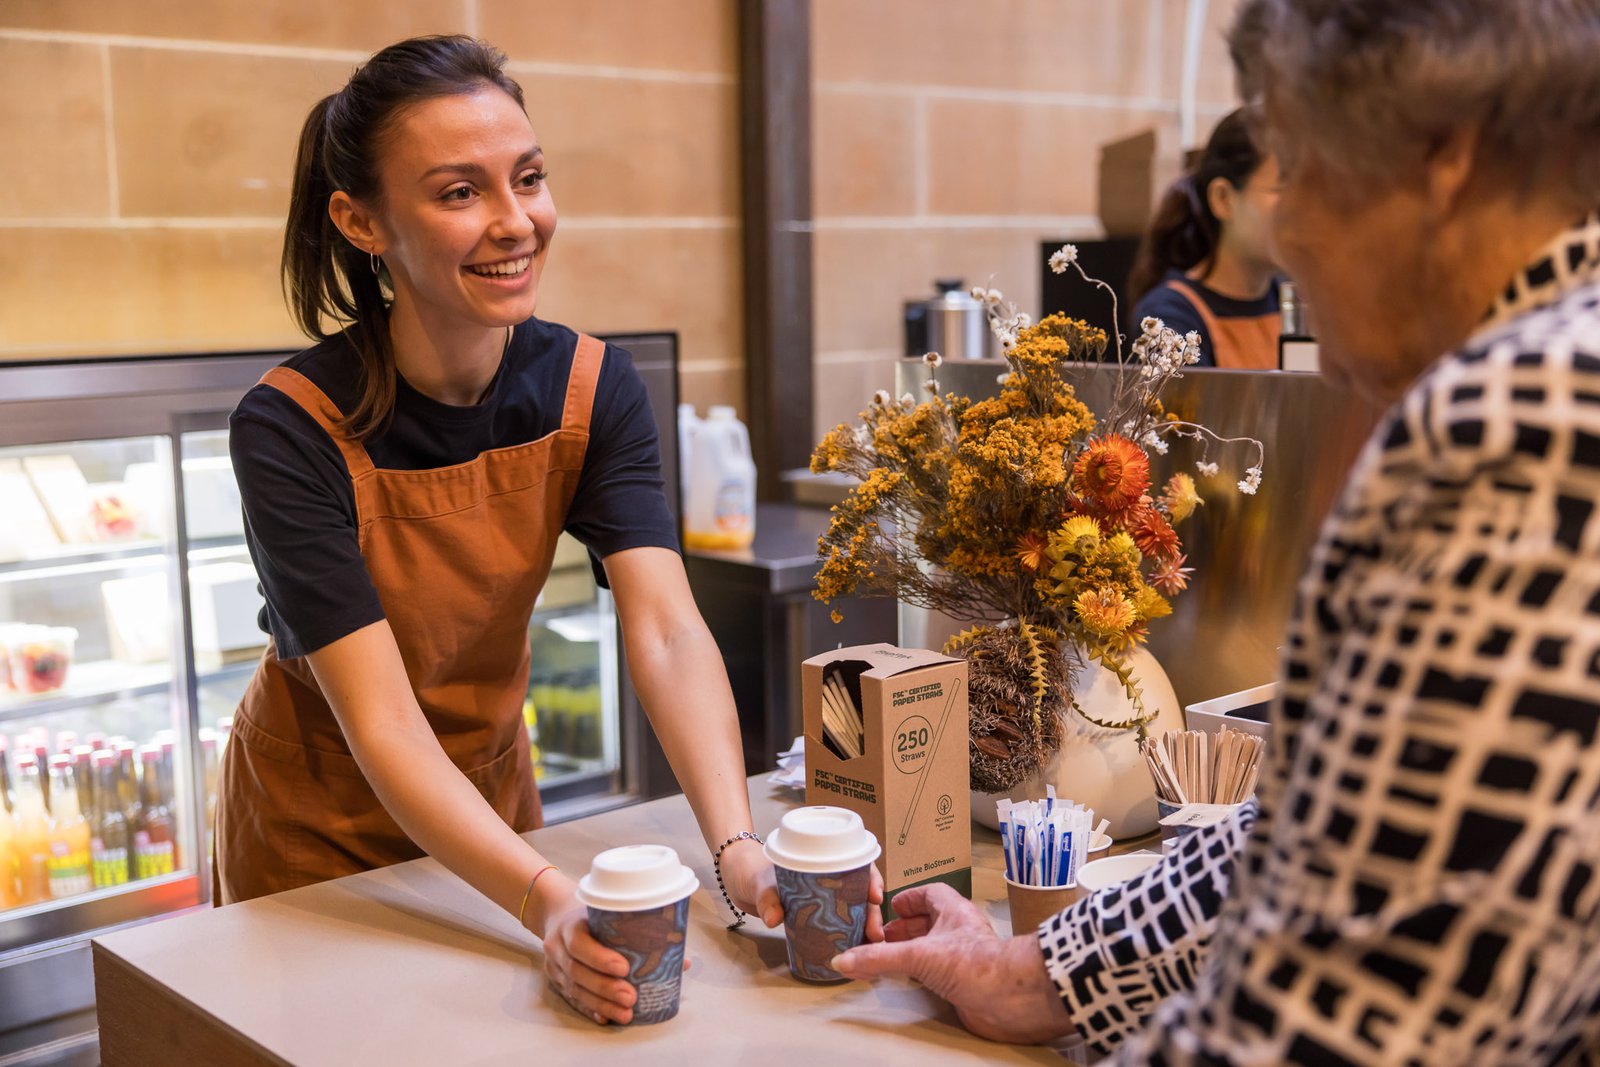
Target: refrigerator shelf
x: 97, y: 683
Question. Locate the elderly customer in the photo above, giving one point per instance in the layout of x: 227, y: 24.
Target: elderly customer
x: 1421, y: 886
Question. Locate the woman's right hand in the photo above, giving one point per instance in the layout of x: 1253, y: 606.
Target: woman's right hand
x: 588, y: 975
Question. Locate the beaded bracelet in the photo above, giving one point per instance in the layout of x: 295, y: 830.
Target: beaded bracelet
x: 529, y: 892
x: 716, y: 865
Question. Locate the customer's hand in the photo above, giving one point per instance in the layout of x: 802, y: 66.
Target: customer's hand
x: 589, y: 976
x: 998, y: 986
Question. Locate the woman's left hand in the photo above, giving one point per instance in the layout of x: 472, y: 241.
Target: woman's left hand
x: 748, y: 874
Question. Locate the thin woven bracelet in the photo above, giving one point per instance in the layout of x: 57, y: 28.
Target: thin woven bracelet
x: 529, y: 892
x: 716, y: 865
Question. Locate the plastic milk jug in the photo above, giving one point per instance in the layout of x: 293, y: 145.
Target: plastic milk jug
x: 719, y: 510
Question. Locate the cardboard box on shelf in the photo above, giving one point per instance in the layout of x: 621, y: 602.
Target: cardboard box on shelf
x: 138, y: 618
x: 906, y: 773
x: 226, y: 606
x: 1134, y: 173
x: 27, y: 529
x: 65, y: 493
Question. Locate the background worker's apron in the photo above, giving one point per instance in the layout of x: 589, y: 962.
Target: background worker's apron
x: 1238, y: 344
x: 458, y: 556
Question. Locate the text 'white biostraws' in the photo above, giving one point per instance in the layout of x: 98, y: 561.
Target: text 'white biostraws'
x: 1044, y: 840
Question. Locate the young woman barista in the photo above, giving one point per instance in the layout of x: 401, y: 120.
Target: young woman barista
x: 404, y: 481
x: 1206, y: 261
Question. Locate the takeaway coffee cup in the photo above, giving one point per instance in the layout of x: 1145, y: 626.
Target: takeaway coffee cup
x: 638, y: 900
x: 823, y: 858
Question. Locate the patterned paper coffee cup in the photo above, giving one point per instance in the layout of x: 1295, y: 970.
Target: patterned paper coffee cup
x: 638, y: 901
x: 823, y: 859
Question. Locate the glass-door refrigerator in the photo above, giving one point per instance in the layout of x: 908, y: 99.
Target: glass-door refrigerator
x: 129, y: 630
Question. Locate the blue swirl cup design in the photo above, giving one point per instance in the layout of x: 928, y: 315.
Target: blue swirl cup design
x: 652, y: 942
x: 823, y: 859
x: 823, y: 914
x: 638, y: 901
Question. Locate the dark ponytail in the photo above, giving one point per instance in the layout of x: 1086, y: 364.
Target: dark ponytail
x: 328, y: 282
x: 1183, y: 233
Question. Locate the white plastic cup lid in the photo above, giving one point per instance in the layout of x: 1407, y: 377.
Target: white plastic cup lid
x: 636, y: 878
x: 821, y: 840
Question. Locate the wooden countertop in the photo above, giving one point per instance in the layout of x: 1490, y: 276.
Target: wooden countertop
x: 407, y: 965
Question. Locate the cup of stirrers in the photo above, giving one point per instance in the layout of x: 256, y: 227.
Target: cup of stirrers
x: 1194, y: 767
x: 842, y: 728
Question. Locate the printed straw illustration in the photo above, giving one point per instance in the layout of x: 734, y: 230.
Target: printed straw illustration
x: 933, y: 750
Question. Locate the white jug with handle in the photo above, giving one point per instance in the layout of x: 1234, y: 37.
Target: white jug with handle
x: 719, y: 510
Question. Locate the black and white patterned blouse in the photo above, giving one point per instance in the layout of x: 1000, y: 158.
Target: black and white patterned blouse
x: 1421, y: 886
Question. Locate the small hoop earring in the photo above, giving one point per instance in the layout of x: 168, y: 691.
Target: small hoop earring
x: 377, y: 264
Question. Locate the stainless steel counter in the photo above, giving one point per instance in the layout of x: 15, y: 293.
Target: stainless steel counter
x: 407, y: 965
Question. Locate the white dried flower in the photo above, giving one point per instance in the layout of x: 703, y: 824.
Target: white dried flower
x: 908, y: 400
x: 933, y: 359
x: 1154, y: 442
x: 1002, y: 379
x: 1021, y: 320
x: 1150, y: 324
x: 978, y: 292
x: 992, y: 297
x: 1206, y: 469
x: 1252, y: 481
x: 931, y: 386
x: 882, y: 398
x: 1063, y: 258
x: 1192, y: 337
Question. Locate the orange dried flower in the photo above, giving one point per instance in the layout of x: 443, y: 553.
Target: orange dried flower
x: 1031, y: 551
x: 1154, y: 534
x: 1113, y: 472
x: 1104, y: 611
x: 1170, y: 575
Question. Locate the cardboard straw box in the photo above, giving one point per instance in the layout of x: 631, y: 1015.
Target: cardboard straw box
x: 910, y: 780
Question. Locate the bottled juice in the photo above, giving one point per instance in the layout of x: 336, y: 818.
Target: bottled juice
x: 168, y: 743
x: 110, y: 839
x: 154, y: 854
x: 10, y: 897
x: 30, y: 847
x: 209, y: 765
x: 69, y: 833
x: 128, y: 797
x: 41, y: 761
x: 5, y: 774
x: 83, y: 775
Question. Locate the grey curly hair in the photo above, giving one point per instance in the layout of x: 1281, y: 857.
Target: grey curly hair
x: 1382, y: 82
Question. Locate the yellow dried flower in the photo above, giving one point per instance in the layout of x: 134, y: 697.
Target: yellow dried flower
x: 1180, y: 497
x: 1078, y: 536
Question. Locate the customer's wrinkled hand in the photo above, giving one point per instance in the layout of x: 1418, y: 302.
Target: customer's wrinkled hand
x: 998, y: 986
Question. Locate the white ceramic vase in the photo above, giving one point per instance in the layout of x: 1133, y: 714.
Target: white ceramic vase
x: 1103, y: 769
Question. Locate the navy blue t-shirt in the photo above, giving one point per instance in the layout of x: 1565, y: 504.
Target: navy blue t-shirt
x: 1177, y: 311
x: 299, y: 507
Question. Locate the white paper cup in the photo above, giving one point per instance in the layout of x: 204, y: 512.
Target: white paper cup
x: 822, y: 857
x: 1114, y: 870
x: 638, y: 900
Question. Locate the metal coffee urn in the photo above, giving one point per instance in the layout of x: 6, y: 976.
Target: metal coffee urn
x: 952, y: 324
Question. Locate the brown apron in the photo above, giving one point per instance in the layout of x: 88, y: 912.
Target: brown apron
x: 1238, y: 344
x: 458, y: 556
